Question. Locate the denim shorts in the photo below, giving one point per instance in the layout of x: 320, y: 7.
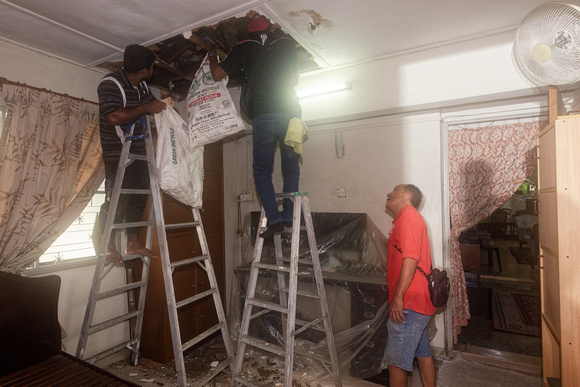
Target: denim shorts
x: 407, y: 340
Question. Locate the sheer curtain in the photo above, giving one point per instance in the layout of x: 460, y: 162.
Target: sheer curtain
x: 50, y: 167
x: 487, y: 165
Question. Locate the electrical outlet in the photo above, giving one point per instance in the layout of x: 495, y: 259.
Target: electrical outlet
x: 246, y: 197
x: 341, y: 192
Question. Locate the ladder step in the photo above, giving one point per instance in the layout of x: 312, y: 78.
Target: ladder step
x: 135, y: 191
x: 202, y: 336
x: 121, y: 290
x: 272, y: 348
x: 300, y: 261
x: 188, y: 261
x: 133, y: 224
x: 134, y: 156
x: 127, y: 344
x: 112, y: 322
x: 195, y: 298
x: 302, y: 293
x: 267, y: 305
x: 291, y: 195
x: 216, y: 370
x: 266, y: 266
x: 181, y: 225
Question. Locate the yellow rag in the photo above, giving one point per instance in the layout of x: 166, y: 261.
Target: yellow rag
x: 297, y: 129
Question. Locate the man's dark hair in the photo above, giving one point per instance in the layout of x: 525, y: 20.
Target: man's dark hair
x: 137, y: 58
x: 416, y: 195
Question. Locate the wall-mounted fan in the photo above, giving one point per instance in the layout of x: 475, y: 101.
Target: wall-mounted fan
x: 546, y: 50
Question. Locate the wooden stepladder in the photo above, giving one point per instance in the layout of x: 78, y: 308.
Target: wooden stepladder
x: 289, y: 286
x: 134, y: 316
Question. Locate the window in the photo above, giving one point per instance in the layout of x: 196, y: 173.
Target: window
x: 76, y: 242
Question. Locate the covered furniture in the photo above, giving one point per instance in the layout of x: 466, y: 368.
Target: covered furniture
x: 352, y: 254
x: 30, y: 337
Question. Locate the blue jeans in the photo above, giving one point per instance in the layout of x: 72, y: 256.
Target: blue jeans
x: 407, y: 340
x: 269, y: 129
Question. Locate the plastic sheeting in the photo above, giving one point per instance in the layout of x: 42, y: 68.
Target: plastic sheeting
x: 352, y: 254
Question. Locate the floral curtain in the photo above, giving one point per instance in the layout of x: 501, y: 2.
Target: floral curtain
x: 487, y: 165
x: 50, y: 167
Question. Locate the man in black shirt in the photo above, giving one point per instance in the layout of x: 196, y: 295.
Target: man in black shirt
x: 124, y: 99
x: 270, y: 65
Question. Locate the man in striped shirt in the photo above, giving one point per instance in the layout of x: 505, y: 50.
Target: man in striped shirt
x: 124, y: 99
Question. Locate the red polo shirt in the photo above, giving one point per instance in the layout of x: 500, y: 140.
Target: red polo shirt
x: 408, y: 238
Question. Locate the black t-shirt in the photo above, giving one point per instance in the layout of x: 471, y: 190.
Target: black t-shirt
x: 275, y: 68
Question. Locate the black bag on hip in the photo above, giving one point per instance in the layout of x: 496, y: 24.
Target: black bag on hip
x: 438, y: 286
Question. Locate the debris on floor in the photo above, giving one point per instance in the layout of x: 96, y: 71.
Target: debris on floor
x: 198, y: 363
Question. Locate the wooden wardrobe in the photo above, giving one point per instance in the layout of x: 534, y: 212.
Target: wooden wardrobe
x: 190, y: 280
x: 559, y: 220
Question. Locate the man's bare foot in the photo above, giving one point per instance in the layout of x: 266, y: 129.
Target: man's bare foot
x: 134, y: 247
x: 113, y: 256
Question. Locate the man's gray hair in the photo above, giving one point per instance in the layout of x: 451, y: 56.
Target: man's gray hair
x: 416, y: 195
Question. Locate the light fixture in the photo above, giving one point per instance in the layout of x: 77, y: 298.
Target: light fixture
x: 324, y: 89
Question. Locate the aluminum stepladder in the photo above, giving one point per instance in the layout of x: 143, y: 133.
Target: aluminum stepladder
x: 135, y: 317
x: 287, y: 272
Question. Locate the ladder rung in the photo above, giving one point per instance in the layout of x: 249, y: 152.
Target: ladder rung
x: 202, y: 336
x: 112, y: 322
x: 126, y: 345
x: 134, y: 156
x: 121, y: 290
x: 181, y: 225
x: 273, y: 348
x: 135, y: 191
x: 291, y: 194
x: 133, y: 224
x: 219, y: 368
x: 188, y: 261
x: 197, y: 297
x: 300, y: 261
x: 308, y: 325
x: 267, y: 266
x: 267, y: 305
x: 302, y: 293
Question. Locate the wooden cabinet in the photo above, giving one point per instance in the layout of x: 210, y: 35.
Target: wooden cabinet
x: 190, y: 280
x: 559, y: 220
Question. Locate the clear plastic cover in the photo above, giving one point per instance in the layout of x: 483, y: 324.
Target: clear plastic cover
x: 352, y: 254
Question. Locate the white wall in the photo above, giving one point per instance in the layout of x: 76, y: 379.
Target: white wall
x: 450, y: 75
x: 38, y: 70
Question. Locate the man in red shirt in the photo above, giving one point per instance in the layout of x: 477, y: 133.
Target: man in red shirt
x: 410, y: 308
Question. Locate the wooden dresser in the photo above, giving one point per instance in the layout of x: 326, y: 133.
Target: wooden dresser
x: 559, y: 220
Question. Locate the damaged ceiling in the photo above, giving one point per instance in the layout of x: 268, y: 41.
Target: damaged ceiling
x: 330, y: 34
x: 179, y: 57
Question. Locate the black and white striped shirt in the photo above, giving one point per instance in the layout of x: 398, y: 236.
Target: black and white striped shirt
x: 110, y: 99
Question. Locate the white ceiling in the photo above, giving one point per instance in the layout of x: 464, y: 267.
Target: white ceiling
x: 90, y: 32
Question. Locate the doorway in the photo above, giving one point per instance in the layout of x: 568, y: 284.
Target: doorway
x: 503, y: 277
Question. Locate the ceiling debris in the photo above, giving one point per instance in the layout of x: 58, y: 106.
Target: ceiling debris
x: 180, y: 56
